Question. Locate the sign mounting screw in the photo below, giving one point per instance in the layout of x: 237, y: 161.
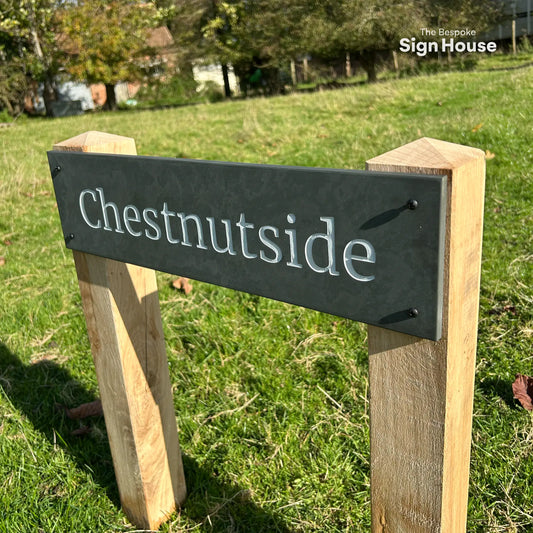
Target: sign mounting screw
x: 412, y: 204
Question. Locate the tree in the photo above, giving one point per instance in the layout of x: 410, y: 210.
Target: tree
x: 478, y: 15
x: 260, y: 37
x: 366, y: 28
x: 255, y: 36
x: 29, y: 29
x: 13, y: 84
x: 268, y: 35
x: 361, y: 28
x: 106, y: 41
x: 200, y: 29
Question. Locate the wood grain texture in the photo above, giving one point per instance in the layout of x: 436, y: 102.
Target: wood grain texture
x: 421, y: 391
x: 121, y: 307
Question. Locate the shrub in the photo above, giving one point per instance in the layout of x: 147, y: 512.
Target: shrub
x: 212, y: 92
x: 176, y: 90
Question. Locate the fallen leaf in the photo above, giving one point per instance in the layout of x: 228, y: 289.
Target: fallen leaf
x: 477, y: 128
x: 489, y: 155
x: 7, y: 242
x: 85, y: 410
x: 83, y: 431
x: 523, y: 391
x: 2, y: 261
x: 182, y: 284
x: 509, y: 308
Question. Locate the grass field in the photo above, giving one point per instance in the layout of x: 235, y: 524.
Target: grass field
x: 271, y: 400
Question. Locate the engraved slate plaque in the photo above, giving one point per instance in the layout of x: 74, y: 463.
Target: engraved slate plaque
x: 367, y: 246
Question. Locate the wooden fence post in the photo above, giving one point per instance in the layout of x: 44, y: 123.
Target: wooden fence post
x: 421, y: 391
x: 121, y: 307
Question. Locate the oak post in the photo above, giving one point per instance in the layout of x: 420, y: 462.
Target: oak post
x: 121, y: 307
x: 421, y: 391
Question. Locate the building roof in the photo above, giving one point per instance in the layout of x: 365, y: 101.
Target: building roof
x: 160, y: 38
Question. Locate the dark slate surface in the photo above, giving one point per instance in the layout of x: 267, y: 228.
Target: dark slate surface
x: 370, y: 206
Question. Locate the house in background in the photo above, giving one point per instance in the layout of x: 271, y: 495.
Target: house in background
x: 204, y: 74
x: 76, y: 97
x: 73, y: 98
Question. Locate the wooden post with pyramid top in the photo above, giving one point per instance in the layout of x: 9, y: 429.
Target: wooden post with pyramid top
x: 421, y: 391
x: 121, y: 307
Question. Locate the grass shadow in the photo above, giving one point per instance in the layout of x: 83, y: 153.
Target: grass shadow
x: 499, y: 387
x: 37, y: 389
x: 223, y: 508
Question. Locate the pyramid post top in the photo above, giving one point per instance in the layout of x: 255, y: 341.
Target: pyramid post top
x: 428, y: 153
x: 97, y: 141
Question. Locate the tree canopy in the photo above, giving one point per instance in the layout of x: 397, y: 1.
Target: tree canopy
x: 106, y: 41
x: 28, y: 47
x: 265, y: 34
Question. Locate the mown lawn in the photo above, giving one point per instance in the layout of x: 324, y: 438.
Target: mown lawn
x: 271, y: 400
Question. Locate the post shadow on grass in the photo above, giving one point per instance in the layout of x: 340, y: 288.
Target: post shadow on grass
x: 37, y: 389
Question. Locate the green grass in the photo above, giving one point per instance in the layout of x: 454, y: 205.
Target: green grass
x: 271, y: 400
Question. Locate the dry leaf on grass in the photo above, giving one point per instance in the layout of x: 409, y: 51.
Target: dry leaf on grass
x: 509, y: 308
x: 83, y: 431
x: 489, y: 155
x: 523, y: 391
x: 182, y: 284
x: 2, y: 261
x: 85, y: 410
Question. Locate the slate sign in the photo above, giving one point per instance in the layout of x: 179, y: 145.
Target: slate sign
x: 363, y: 245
